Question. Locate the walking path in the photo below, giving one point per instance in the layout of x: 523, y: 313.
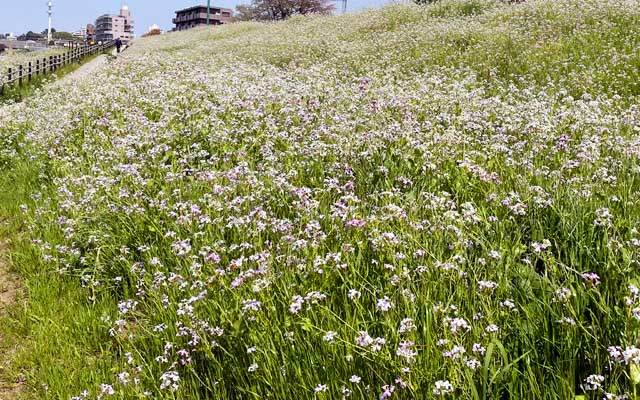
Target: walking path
x: 86, y: 69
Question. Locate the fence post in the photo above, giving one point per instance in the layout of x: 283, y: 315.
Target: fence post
x: 38, y: 66
x: 30, y: 71
x: 20, y: 75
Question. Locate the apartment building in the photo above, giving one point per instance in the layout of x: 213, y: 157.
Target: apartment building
x: 91, y: 33
x: 197, y: 16
x: 109, y: 27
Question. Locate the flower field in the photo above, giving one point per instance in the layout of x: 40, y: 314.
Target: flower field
x: 413, y: 203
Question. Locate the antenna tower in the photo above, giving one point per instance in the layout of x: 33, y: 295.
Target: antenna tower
x: 50, y: 5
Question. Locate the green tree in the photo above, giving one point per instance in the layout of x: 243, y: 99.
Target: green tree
x: 30, y: 36
x: 63, y: 35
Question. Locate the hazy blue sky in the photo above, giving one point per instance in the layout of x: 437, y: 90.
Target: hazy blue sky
x: 19, y: 16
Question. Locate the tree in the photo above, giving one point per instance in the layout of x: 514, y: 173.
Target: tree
x: 44, y: 32
x: 153, y: 32
x: 245, y: 12
x: 275, y: 10
x: 62, y: 35
x: 30, y: 36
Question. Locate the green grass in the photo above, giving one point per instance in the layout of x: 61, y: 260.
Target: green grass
x: 56, y: 323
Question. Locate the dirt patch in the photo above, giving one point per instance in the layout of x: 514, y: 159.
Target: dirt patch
x: 9, y: 291
x: 9, y: 286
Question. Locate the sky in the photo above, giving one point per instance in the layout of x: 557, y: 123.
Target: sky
x: 21, y: 16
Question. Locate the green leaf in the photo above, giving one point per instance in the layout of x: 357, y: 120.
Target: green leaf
x: 307, y: 326
x: 635, y: 374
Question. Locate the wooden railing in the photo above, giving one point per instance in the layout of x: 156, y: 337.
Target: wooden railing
x: 21, y: 74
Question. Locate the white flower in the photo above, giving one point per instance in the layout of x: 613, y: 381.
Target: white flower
x: 442, y: 388
x: 406, y: 351
x: 472, y: 363
x: 593, y: 382
x: 296, y: 304
x: 458, y: 325
x: 329, y: 336
x: 169, y: 380
x: 636, y: 313
x: 321, y: 388
x: 562, y: 295
x: 478, y: 349
x: 487, y: 285
x: 492, y: 328
x: 107, y: 389
x: 566, y: 321
x: 631, y: 355
x: 354, y: 294
x: 384, y: 304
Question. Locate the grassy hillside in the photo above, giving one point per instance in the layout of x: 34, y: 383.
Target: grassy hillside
x: 436, y: 202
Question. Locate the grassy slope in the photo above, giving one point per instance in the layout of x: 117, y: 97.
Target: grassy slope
x: 465, y: 47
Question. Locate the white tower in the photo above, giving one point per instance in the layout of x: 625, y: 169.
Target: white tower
x: 50, y: 5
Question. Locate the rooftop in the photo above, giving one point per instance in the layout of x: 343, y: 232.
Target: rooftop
x: 199, y: 7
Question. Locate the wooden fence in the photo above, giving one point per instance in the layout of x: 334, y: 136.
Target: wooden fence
x: 21, y: 74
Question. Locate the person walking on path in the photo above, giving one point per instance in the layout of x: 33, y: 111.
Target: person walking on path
x: 118, y: 44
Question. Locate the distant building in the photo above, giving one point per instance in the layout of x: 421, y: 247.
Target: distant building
x: 109, y: 27
x: 91, y: 32
x: 196, y: 16
x: 80, y: 33
x: 153, y: 31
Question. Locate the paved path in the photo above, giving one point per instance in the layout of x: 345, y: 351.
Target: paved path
x: 88, y: 68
